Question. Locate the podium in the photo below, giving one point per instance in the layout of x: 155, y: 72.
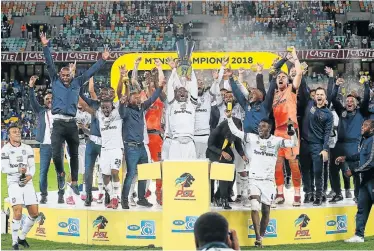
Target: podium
x: 186, y: 195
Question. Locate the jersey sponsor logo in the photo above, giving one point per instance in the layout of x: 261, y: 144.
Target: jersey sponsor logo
x: 184, y: 181
x: 17, y: 165
x: 201, y: 110
x: 100, y: 224
x: 182, y: 111
x: 145, y: 230
x: 301, y: 223
x: 280, y: 102
x: 264, y: 153
x: 19, y: 159
x: 108, y: 128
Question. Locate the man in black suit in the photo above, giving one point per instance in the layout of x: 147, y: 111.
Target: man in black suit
x: 220, y: 144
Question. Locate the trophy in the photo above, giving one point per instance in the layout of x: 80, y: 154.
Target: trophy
x: 184, y: 49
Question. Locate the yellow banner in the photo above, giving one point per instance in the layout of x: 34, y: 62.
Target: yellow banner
x: 186, y: 195
x: 200, y: 61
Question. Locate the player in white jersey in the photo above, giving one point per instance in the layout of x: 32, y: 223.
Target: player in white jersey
x: 167, y: 135
x: 263, y: 149
x: 181, y: 115
x: 17, y: 161
x: 110, y: 123
x: 205, y: 100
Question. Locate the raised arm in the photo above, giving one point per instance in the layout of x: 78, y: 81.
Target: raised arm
x: 36, y: 107
x: 48, y: 58
x: 260, y: 79
x: 123, y: 77
x: 240, y: 85
x: 173, y: 77
x: 94, y: 68
x: 155, y: 95
x: 364, y: 107
x: 330, y: 84
x: 91, y: 89
x: 161, y: 78
x: 339, y: 108
x: 299, y: 72
x: 235, y: 131
x: 303, y: 95
x: 238, y: 94
x: 134, y: 75
x: 269, y: 97
x: 193, y: 89
x: 93, y: 104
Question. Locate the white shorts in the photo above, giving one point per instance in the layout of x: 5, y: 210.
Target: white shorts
x: 201, y: 143
x: 179, y: 151
x: 263, y: 188
x: 110, y: 159
x: 22, y: 195
x: 165, y: 149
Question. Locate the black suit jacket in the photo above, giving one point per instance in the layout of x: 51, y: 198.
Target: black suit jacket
x: 217, y: 138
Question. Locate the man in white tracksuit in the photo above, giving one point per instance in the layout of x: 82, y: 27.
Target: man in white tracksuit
x: 181, y: 115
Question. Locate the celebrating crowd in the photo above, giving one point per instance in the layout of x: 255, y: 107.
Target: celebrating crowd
x: 187, y: 117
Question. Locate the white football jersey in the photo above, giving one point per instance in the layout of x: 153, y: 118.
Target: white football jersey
x: 202, y: 118
x: 165, y: 116
x: 110, y: 128
x: 13, y: 158
x: 263, y: 153
x: 181, y: 116
x: 83, y: 117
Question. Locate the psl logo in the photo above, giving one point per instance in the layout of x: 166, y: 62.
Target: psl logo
x: 100, y: 223
x: 40, y: 229
x: 302, y: 222
x: 336, y: 224
x: 184, y: 181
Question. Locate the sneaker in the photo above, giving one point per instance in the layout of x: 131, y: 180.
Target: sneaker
x: 331, y: 194
x: 355, y: 239
x: 106, y: 198
x: 308, y: 198
x: 60, y: 199
x: 15, y: 246
x: 355, y: 200
x: 74, y: 188
x: 100, y: 198
x: 61, y: 181
x: 279, y: 199
x: 336, y: 198
x: 83, y: 197
x: 125, y: 204
x: 109, y: 205
x: 148, y: 193
x: 238, y: 199
x: 23, y: 243
x: 132, y: 202
x: 348, y: 194
x: 43, y: 200
x: 144, y: 203
x: 317, y: 202
x: 272, y: 204
x: 88, y: 200
x: 114, y: 203
x: 296, y: 201
x: 70, y: 200
x: 258, y: 243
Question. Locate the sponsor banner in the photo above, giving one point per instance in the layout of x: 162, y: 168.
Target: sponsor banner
x: 336, y: 224
x: 143, y: 229
x: 270, y: 232
x: 186, y: 195
x: 93, y: 56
